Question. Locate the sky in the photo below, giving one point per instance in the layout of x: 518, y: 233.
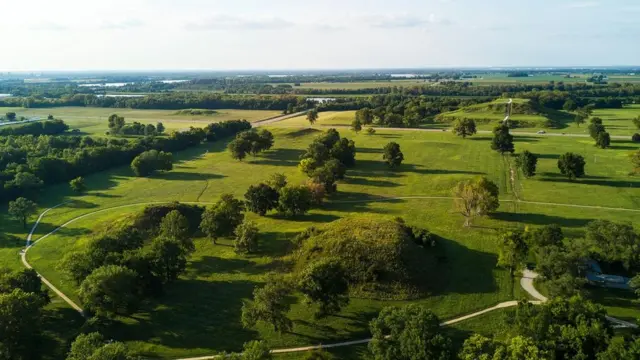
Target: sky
x: 322, y: 34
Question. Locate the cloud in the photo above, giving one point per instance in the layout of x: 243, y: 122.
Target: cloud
x: 582, y: 4
x: 121, y: 25
x: 49, y: 26
x: 403, y: 21
x: 224, y: 22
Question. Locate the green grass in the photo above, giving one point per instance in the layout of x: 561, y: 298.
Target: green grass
x: 93, y: 121
x: 325, y: 118
x: 200, y: 313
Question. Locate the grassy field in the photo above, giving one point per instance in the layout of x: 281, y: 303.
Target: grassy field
x: 93, y: 121
x: 200, y: 313
x: 325, y: 118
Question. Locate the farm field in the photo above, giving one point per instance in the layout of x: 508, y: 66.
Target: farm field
x: 217, y: 279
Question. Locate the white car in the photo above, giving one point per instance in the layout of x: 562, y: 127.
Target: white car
x: 541, y: 132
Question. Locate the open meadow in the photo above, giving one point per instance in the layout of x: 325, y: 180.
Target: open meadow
x: 93, y: 120
x: 200, y: 313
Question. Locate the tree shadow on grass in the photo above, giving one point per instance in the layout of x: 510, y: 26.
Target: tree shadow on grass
x: 303, y: 132
x: 596, y: 181
x: 209, y: 265
x: 193, y: 314
x: 81, y: 204
x: 369, y: 182
x: 279, y: 157
x: 369, y: 151
x: 539, y: 219
x: 419, y: 169
x: 309, y: 217
x: 60, y: 326
x: 623, y: 147
x: 187, y: 176
x: 548, y: 156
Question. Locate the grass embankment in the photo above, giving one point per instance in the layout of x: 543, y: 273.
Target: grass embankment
x: 200, y: 313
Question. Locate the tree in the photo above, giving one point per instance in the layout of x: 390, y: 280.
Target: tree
x: 571, y: 165
x: 277, y: 181
x: 476, y: 197
x: 595, y: 129
x: 635, y: 284
x: 344, y: 150
x: 10, y: 116
x: 411, y: 332
x: 261, y: 198
x: 579, y: 119
x: 221, y: 219
x: 371, y: 131
x: 635, y: 160
x: 78, y: 185
x: 569, y: 105
x: 149, y: 130
x: 20, y: 333
x: 502, y: 141
x: 256, y: 350
x: 356, y: 125
x: 167, y: 258
x: 270, y: 305
x: 325, y: 282
x: 527, y: 163
x: 175, y: 226
x: 115, y: 123
x: 604, y: 140
x: 26, y: 280
x: 365, y: 116
x: 478, y: 347
x: 464, y: 127
x: 149, y: 161
x: 312, y: 116
x: 294, y: 200
x: 392, y: 155
x: 328, y: 174
x: 246, y: 241
x: 635, y: 138
x: 317, y: 192
x: 110, y: 290
x: 613, y: 242
x: 159, y: 128
x: 636, y: 122
x: 512, y: 250
x: 93, y: 346
x: 239, y: 149
x: 22, y: 209
x: 548, y: 235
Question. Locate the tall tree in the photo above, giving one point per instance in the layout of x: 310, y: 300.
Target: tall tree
x: 93, y: 346
x: 294, y: 200
x: 512, y: 250
x: 221, y: 219
x: 261, y: 198
x: 579, y: 119
x: 246, y: 241
x: 527, y: 163
x: 464, y: 127
x: 365, y: 115
x: 21, y: 319
x: 409, y: 333
x: 475, y: 198
x: 22, y: 209
x: 392, y: 155
x: 604, y: 140
x: 110, y: 290
x: 325, y: 282
x: 78, y: 185
x: 167, y: 258
x: 636, y: 122
x: 571, y: 165
x: 270, y: 305
x: 502, y: 141
x: 356, y: 125
x: 175, y: 226
x: 312, y: 116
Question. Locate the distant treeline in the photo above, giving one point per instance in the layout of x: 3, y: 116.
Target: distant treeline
x: 168, y: 101
x: 28, y: 162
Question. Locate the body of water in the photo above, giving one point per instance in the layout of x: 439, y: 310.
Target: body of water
x: 105, y: 85
x: 321, y: 100
x: 173, y: 81
x: 4, y: 95
x: 121, y: 95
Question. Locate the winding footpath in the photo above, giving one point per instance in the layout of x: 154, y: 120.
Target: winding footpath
x: 527, y: 280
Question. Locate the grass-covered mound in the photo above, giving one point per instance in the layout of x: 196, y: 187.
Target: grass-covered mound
x: 523, y: 114
x: 381, y: 256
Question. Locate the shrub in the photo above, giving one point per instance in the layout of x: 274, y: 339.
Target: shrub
x: 635, y: 137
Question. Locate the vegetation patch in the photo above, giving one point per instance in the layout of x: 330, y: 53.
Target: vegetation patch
x: 381, y: 257
x: 196, y: 112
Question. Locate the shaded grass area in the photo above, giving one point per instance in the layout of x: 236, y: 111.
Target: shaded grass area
x: 200, y: 314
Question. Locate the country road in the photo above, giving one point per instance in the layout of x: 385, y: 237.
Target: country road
x: 33, y: 119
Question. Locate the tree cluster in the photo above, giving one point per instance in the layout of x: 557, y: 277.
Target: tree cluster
x: 118, y: 126
x: 48, y: 127
x: 151, y: 161
x: 250, y: 142
x: 327, y: 158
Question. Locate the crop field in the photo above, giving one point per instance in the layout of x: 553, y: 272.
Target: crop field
x: 200, y: 313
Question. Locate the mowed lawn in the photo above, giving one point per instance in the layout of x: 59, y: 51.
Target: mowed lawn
x: 200, y: 313
x: 325, y: 118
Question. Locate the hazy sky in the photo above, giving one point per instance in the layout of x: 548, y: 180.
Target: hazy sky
x: 321, y: 34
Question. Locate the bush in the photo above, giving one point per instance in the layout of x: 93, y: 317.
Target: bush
x: 635, y: 137
x: 149, y: 161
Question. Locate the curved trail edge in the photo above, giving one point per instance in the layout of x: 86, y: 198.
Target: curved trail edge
x: 526, y: 281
